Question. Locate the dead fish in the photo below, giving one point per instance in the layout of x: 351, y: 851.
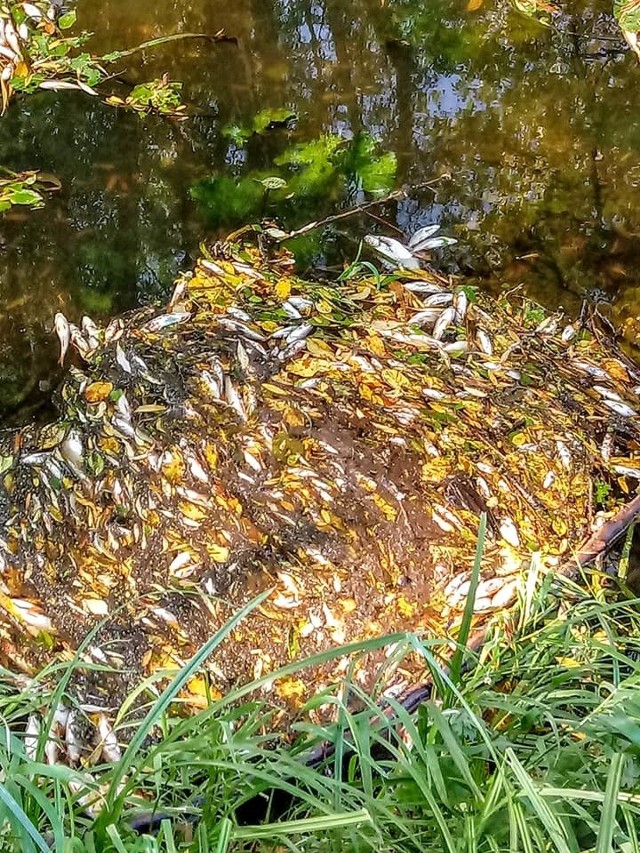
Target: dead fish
x: 63, y: 331
x: 78, y: 340
x: 607, y: 393
x: 509, y: 532
x: 424, y: 240
x: 71, y: 743
x: 620, y: 408
x: 303, y: 305
x: 212, y: 384
x: 443, y: 298
x: 293, y: 349
x: 590, y: 369
x: 456, y: 347
x: 122, y: 359
x: 299, y: 333
x: 165, y: 321
x: 484, y: 342
x: 211, y: 267
x: 114, y: 330
x: 460, y: 304
x: 433, y: 394
x: 392, y: 251
x: 564, y: 454
x: 241, y: 328
x: 291, y: 310
x: 444, y: 321
x: 238, y: 314
x: 91, y: 332
x: 627, y: 471
x: 421, y: 287
x: 31, y: 737
x: 35, y: 458
x: 419, y: 239
x: 143, y: 371
x: 233, y: 399
x: 32, y: 11
x: 111, y: 751
x: 178, y: 292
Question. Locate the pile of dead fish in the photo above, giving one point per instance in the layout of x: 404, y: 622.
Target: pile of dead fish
x: 335, y: 443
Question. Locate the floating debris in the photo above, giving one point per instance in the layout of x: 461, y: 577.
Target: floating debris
x: 335, y: 444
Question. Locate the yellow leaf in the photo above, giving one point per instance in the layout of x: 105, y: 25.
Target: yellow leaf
x: 616, y: 369
x: 316, y: 346
x: 291, y: 688
x: 363, y: 293
x: 283, y: 288
x: 570, y: 663
x: 97, y: 391
x: 395, y: 378
x: 474, y: 5
x: 218, y: 553
x: 376, y: 345
x: 275, y: 389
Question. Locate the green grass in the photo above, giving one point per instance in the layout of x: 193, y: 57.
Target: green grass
x: 532, y: 744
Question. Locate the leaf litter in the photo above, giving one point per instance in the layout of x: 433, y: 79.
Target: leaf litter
x: 314, y: 439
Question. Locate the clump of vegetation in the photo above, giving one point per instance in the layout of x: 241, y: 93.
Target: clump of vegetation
x: 532, y: 746
x: 25, y: 188
x: 305, y: 175
x: 38, y: 52
x: 159, y: 96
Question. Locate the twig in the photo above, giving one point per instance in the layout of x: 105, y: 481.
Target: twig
x: 120, y: 54
x: 359, y: 208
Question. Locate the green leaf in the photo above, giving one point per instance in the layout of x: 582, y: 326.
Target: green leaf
x: 25, y: 196
x: 627, y: 14
x: 16, y: 814
x: 165, y: 699
x: 271, y: 119
x: 272, y: 183
x: 608, y: 822
x: 67, y: 20
x: 379, y: 176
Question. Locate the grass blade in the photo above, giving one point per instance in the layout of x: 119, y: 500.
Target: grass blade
x: 172, y: 690
x: 467, y: 617
x: 19, y: 816
x: 608, y: 819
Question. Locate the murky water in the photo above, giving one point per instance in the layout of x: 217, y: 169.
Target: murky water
x: 531, y: 133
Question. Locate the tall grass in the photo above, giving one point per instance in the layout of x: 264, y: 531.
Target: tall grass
x: 531, y: 744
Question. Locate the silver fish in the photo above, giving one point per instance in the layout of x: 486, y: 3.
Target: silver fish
x: 63, y: 331
x: 165, y: 321
x: 393, y: 252
x: 444, y: 321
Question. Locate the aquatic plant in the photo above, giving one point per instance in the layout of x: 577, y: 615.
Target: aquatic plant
x: 304, y: 177
x: 159, y: 96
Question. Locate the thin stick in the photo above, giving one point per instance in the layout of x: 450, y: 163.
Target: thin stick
x: 120, y: 54
x: 359, y: 208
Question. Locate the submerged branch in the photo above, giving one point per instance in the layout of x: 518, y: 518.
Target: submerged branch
x: 220, y: 36
x: 403, y: 192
